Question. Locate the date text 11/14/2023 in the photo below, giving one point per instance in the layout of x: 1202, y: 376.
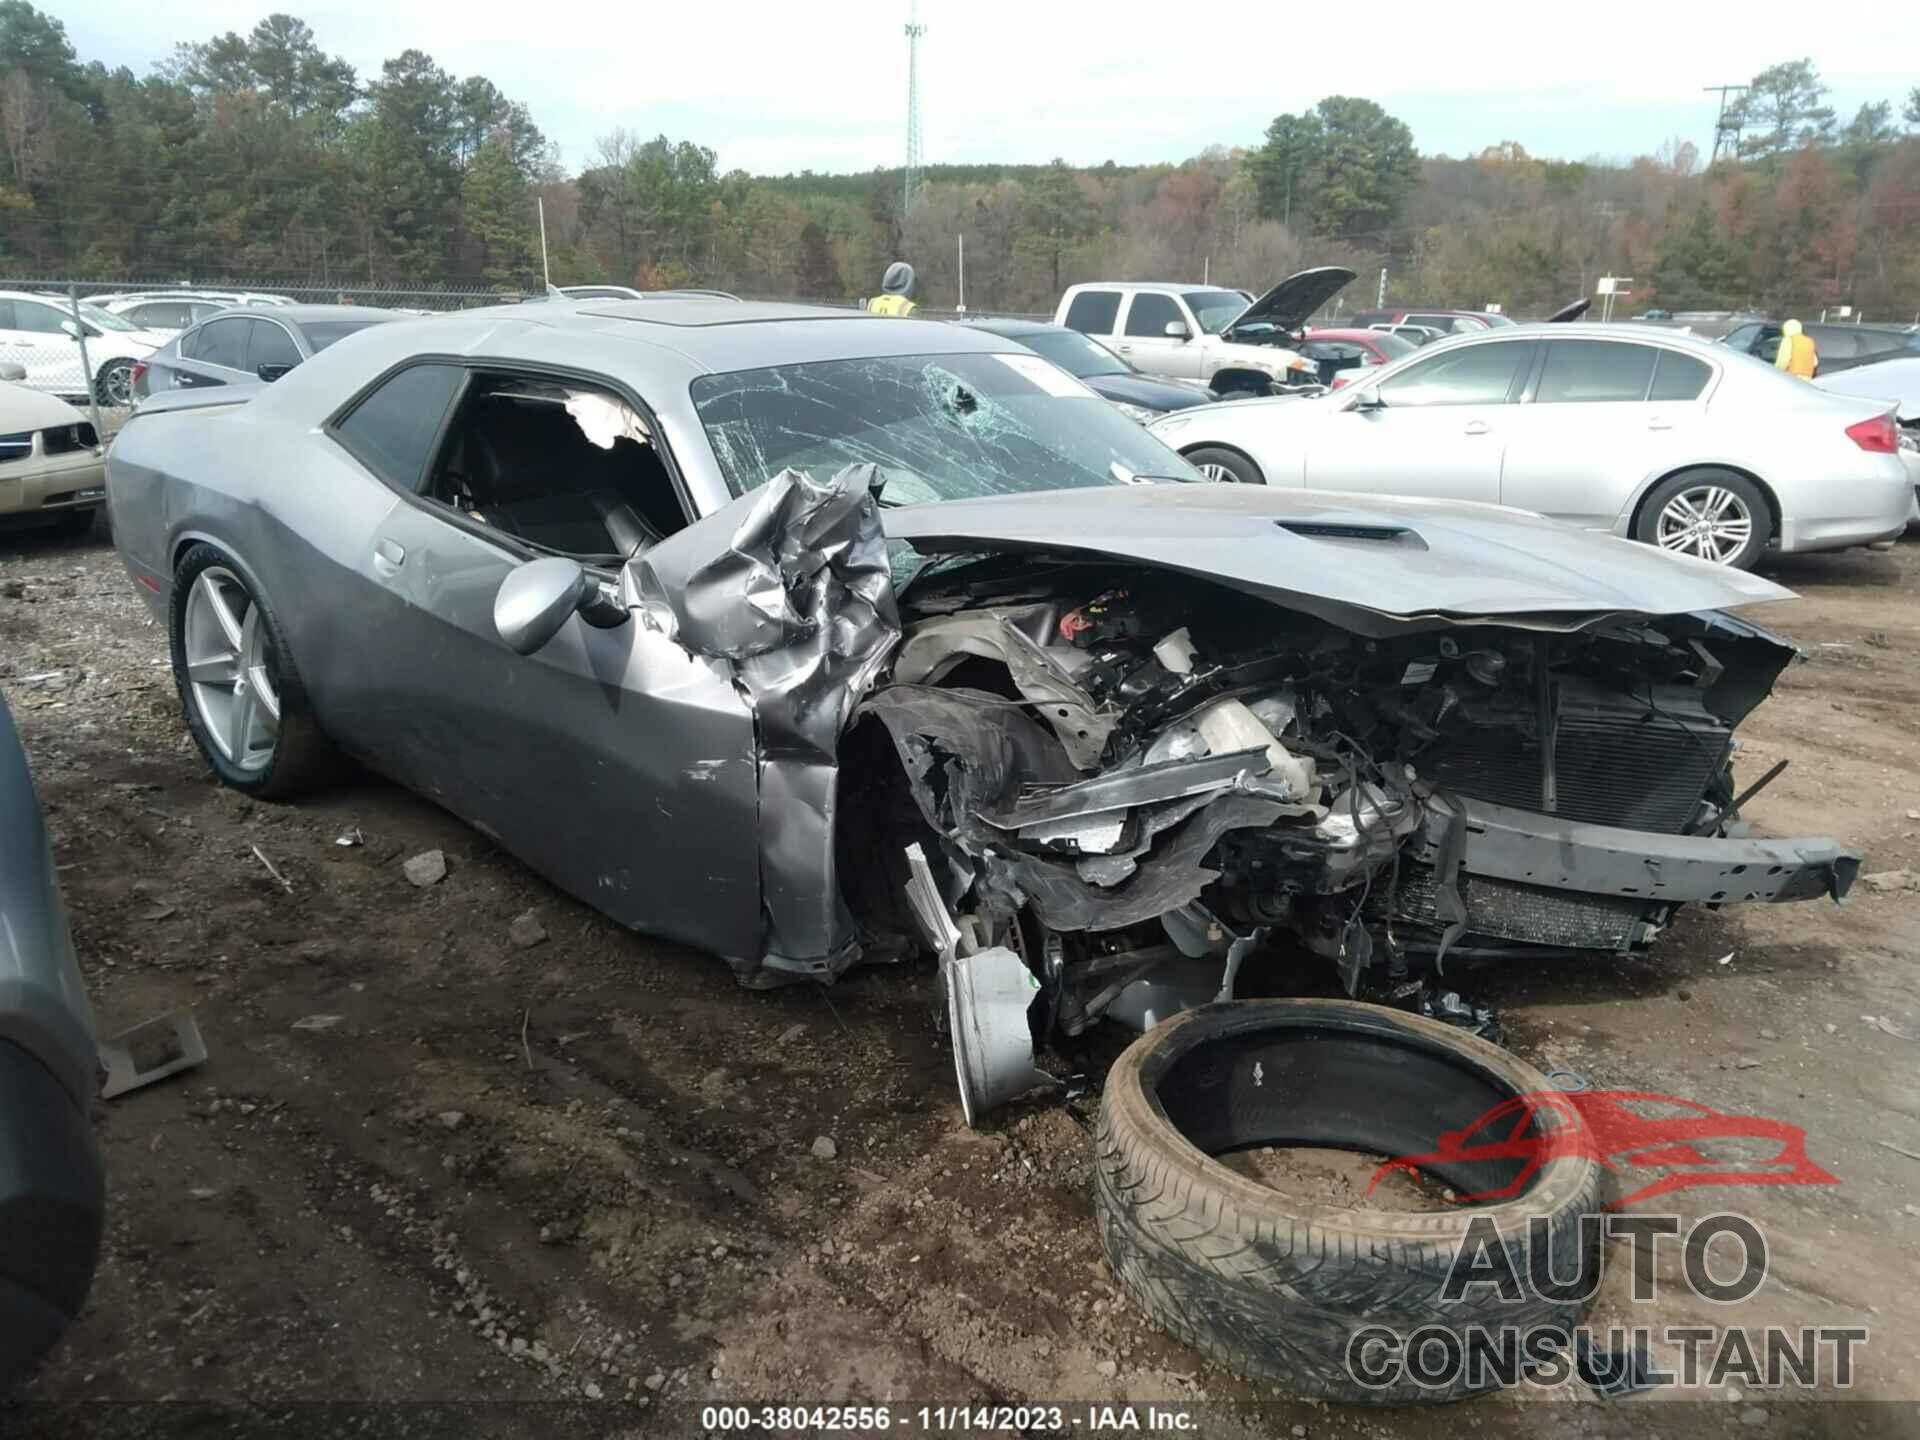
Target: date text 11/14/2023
x: 948, y: 1419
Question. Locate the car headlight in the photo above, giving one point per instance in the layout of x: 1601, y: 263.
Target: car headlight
x: 1136, y: 412
x: 1301, y: 363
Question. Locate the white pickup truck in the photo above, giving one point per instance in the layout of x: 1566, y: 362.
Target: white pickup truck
x: 1205, y: 332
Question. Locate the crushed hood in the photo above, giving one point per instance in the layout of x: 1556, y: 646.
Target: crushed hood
x: 1371, y: 564
x: 1288, y: 305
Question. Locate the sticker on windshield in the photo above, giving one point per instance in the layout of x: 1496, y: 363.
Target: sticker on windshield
x: 1048, y: 376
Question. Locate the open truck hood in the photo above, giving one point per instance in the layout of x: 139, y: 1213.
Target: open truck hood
x: 1291, y: 303
x: 1371, y: 564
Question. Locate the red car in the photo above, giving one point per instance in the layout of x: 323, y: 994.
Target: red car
x: 1338, y: 352
x: 1542, y: 1126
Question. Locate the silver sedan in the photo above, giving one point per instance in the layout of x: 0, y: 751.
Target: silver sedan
x: 1659, y: 437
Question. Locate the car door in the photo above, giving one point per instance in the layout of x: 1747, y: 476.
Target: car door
x: 1593, y: 424
x: 1144, y: 341
x: 214, y: 354
x: 271, y: 349
x: 612, y: 761
x: 36, y: 338
x: 1435, y: 427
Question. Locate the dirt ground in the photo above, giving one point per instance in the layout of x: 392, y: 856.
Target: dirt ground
x: 425, y: 1163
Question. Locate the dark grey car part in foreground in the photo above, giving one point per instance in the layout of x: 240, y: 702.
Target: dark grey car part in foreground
x: 52, y: 1197
x: 710, y: 610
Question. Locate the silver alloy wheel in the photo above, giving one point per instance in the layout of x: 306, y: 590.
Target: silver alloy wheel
x: 116, y: 383
x: 1219, y: 473
x: 1710, y: 522
x: 230, y: 669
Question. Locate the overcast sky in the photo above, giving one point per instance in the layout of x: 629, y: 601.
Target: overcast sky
x: 775, y: 87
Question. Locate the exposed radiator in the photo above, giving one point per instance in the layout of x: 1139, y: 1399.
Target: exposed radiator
x: 1617, y: 760
x: 1531, y: 914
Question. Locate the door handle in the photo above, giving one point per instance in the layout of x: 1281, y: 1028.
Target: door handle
x: 1476, y: 427
x: 1659, y: 422
x: 388, y: 556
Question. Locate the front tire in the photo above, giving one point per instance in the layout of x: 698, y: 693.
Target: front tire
x: 243, y: 700
x: 1712, y: 515
x: 1225, y: 467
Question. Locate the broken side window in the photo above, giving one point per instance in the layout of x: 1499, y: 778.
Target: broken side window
x: 563, y: 467
x: 940, y: 427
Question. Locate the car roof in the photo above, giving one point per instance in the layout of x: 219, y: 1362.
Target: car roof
x: 308, y: 314
x: 646, y: 343
x: 1153, y: 287
x: 1587, y: 329
x: 1014, y: 329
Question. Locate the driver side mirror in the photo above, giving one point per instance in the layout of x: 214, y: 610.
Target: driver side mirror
x: 536, y: 598
x: 1369, y: 403
x: 12, y: 370
x: 73, y: 330
x: 271, y: 373
x: 1177, y: 330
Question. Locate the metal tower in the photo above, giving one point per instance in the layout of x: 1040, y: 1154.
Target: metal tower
x: 1727, y: 125
x: 914, y: 31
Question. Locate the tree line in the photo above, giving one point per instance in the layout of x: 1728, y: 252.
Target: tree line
x: 264, y: 156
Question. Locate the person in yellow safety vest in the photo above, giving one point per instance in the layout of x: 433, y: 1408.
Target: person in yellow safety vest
x: 896, y: 292
x: 1797, y: 355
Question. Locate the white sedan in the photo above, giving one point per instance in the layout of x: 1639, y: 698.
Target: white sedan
x: 1658, y: 436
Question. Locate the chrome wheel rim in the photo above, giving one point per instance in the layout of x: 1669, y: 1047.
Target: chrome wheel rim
x: 116, y: 383
x: 1709, y: 522
x: 1219, y: 473
x: 230, y: 670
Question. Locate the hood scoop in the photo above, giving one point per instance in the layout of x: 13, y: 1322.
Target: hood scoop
x: 1354, y: 530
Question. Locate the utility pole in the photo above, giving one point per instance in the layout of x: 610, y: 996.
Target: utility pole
x: 1727, y: 124
x: 1380, y: 299
x: 914, y: 31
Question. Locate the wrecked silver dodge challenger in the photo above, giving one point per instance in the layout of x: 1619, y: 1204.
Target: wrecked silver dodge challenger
x: 808, y: 638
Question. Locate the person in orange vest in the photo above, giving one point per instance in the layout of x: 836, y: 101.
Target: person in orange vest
x: 896, y: 292
x: 1797, y: 355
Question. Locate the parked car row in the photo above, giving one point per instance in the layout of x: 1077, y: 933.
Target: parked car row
x: 1650, y: 434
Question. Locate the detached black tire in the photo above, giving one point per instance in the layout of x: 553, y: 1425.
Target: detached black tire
x: 1225, y: 466
x: 1705, y: 514
x: 296, y: 755
x: 1276, y: 1288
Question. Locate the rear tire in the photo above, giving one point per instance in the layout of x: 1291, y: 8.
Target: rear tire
x: 113, y: 384
x: 242, y: 696
x: 1712, y: 515
x: 1227, y: 467
x: 1277, y: 1288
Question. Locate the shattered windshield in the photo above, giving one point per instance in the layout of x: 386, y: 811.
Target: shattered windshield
x: 942, y: 427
